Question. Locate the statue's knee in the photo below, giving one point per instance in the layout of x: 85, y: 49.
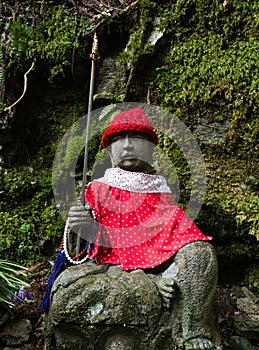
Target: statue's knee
x: 197, y: 259
x: 197, y: 249
x: 207, y: 252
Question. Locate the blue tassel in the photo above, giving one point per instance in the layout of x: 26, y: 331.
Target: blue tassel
x: 59, y: 266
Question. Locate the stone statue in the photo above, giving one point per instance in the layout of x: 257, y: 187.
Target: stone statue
x: 151, y: 278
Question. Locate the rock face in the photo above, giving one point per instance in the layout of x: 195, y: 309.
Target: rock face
x: 16, y: 332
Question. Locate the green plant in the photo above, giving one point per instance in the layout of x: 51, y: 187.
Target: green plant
x: 11, y: 280
x: 21, y: 39
x: 53, y: 37
x: 28, y: 215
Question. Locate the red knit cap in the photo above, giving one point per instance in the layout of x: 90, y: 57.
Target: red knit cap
x: 131, y: 120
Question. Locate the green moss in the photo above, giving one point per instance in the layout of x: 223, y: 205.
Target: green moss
x: 27, y: 214
x: 212, y: 71
x: 252, y: 278
x: 54, y: 38
x: 231, y: 187
x: 154, y: 16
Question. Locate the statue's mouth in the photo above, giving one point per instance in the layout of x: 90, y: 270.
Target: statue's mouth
x: 129, y: 157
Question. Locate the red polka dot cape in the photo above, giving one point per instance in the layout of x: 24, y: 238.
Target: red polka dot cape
x: 139, y: 226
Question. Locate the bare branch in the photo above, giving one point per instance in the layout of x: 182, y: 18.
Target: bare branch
x: 98, y: 11
x: 24, y: 88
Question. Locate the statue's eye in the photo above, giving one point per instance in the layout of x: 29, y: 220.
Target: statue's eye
x: 116, y: 138
x: 138, y: 137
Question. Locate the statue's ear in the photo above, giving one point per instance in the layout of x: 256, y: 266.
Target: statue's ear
x: 107, y: 150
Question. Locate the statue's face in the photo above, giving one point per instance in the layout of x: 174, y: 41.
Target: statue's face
x: 131, y: 150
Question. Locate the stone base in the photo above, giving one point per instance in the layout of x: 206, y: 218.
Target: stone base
x: 100, y: 307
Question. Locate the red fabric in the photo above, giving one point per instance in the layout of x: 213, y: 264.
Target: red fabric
x: 138, y: 230
x: 131, y: 120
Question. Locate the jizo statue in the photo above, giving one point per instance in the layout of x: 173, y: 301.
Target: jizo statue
x: 140, y: 227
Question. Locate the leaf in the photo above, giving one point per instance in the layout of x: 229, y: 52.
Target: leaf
x: 106, y: 110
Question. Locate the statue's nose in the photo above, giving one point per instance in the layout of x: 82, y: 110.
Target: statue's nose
x: 127, y: 142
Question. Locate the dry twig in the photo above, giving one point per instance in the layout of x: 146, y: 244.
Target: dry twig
x: 24, y: 88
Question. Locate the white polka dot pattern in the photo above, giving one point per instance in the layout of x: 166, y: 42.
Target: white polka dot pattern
x: 138, y: 229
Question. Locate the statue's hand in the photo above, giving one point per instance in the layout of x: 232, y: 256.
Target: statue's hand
x: 80, y: 217
x: 166, y: 288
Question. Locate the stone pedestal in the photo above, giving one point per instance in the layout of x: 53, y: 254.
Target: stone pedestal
x: 100, y: 307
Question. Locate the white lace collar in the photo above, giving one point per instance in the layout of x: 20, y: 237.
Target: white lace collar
x: 135, y: 182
